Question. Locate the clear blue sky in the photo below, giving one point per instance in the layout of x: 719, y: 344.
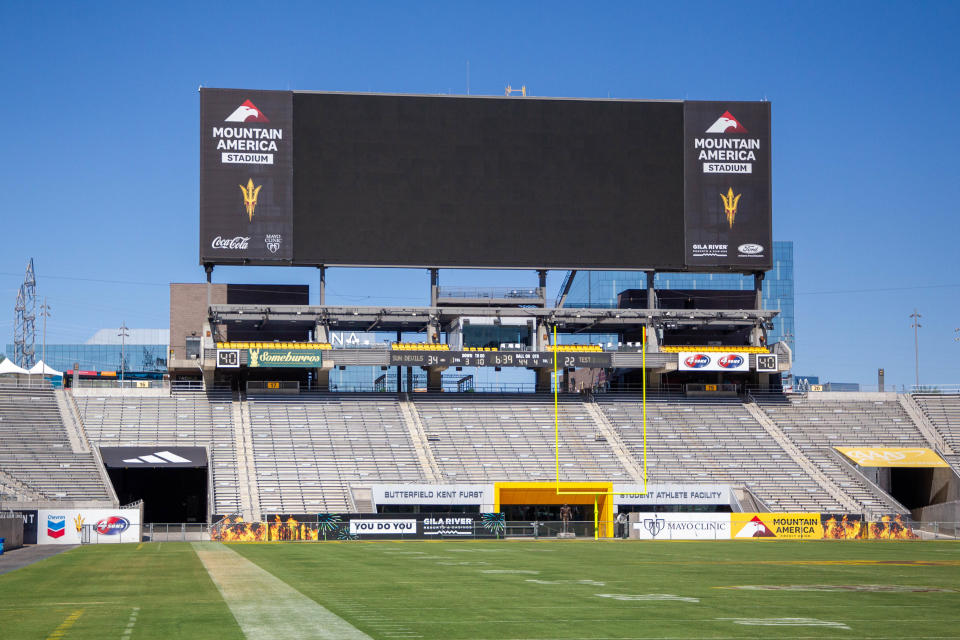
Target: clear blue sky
x: 99, y: 151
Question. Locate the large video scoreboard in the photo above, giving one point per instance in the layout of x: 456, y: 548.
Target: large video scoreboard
x: 301, y: 178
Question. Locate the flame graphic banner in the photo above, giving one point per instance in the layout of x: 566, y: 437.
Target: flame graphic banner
x: 337, y: 526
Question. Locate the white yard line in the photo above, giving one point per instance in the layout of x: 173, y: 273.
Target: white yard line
x: 265, y: 606
x: 131, y: 623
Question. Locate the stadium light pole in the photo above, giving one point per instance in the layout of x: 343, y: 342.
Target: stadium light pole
x: 916, y: 346
x: 44, y: 313
x: 123, y: 343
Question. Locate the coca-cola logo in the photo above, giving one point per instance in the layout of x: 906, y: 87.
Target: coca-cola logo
x: 240, y: 243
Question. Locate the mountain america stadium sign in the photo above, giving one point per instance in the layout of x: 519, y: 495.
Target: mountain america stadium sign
x: 300, y: 358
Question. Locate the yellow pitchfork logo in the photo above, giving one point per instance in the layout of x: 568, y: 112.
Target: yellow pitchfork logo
x: 250, y: 193
x: 729, y: 205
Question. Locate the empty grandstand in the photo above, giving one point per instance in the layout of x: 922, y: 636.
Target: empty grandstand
x: 818, y: 426
x: 512, y: 438
x: 310, y: 448
x: 40, y: 456
x: 715, y: 440
x: 943, y: 411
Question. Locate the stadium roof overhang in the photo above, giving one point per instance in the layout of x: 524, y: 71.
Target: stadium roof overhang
x: 411, y: 318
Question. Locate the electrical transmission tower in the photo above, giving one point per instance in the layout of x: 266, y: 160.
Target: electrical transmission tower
x: 24, y: 323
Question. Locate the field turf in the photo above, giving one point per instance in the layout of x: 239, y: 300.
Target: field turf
x: 528, y: 590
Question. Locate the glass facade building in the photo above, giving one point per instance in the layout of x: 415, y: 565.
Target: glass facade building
x: 143, y: 350
x: 599, y: 289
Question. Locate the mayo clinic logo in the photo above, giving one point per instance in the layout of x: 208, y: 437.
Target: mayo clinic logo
x: 654, y: 526
x: 697, y: 361
x: 730, y: 361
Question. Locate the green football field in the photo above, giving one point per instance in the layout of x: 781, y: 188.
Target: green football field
x: 492, y: 589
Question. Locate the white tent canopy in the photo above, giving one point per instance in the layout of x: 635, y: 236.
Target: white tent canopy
x: 42, y: 368
x: 8, y: 366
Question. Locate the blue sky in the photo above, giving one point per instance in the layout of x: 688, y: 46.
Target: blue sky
x: 99, y: 152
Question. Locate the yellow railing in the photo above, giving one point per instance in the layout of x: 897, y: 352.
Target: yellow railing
x: 274, y: 345
x: 713, y: 348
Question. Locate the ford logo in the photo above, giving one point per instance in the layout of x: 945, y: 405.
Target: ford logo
x: 697, y: 361
x: 730, y: 361
x: 750, y: 249
x: 112, y: 525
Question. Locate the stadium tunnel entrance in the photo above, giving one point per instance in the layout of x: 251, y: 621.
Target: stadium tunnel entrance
x: 173, y: 482
x: 541, y: 501
x: 917, y: 478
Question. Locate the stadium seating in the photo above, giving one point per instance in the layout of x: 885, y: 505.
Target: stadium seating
x: 944, y: 412
x: 511, y: 437
x: 181, y: 419
x: 818, y: 426
x: 36, y: 448
x: 713, y: 441
x: 310, y: 448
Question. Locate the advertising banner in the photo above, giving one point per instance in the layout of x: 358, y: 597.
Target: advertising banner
x: 893, y: 456
x: 727, y: 201
x: 680, y: 526
x: 433, y: 494
x: 783, y: 526
x: 367, y: 527
x: 64, y: 526
x: 713, y: 361
x: 318, y: 527
x: 672, y: 494
x: 287, y: 358
x: 449, y: 526
x: 246, y: 176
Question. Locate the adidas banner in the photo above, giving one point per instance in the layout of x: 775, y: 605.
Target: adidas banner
x: 153, y: 457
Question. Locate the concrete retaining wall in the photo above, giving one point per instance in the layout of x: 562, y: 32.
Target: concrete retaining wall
x: 12, y: 530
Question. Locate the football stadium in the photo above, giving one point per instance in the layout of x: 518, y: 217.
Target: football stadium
x: 643, y: 468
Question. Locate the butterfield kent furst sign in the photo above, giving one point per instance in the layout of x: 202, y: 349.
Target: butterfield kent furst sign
x: 298, y: 358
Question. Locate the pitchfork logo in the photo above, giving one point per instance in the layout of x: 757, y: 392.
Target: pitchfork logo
x: 250, y: 194
x: 247, y: 112
x: 727, y: 124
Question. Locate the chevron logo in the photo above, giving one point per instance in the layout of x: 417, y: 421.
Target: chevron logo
x: 158, y: 457
x: 56, y: 526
